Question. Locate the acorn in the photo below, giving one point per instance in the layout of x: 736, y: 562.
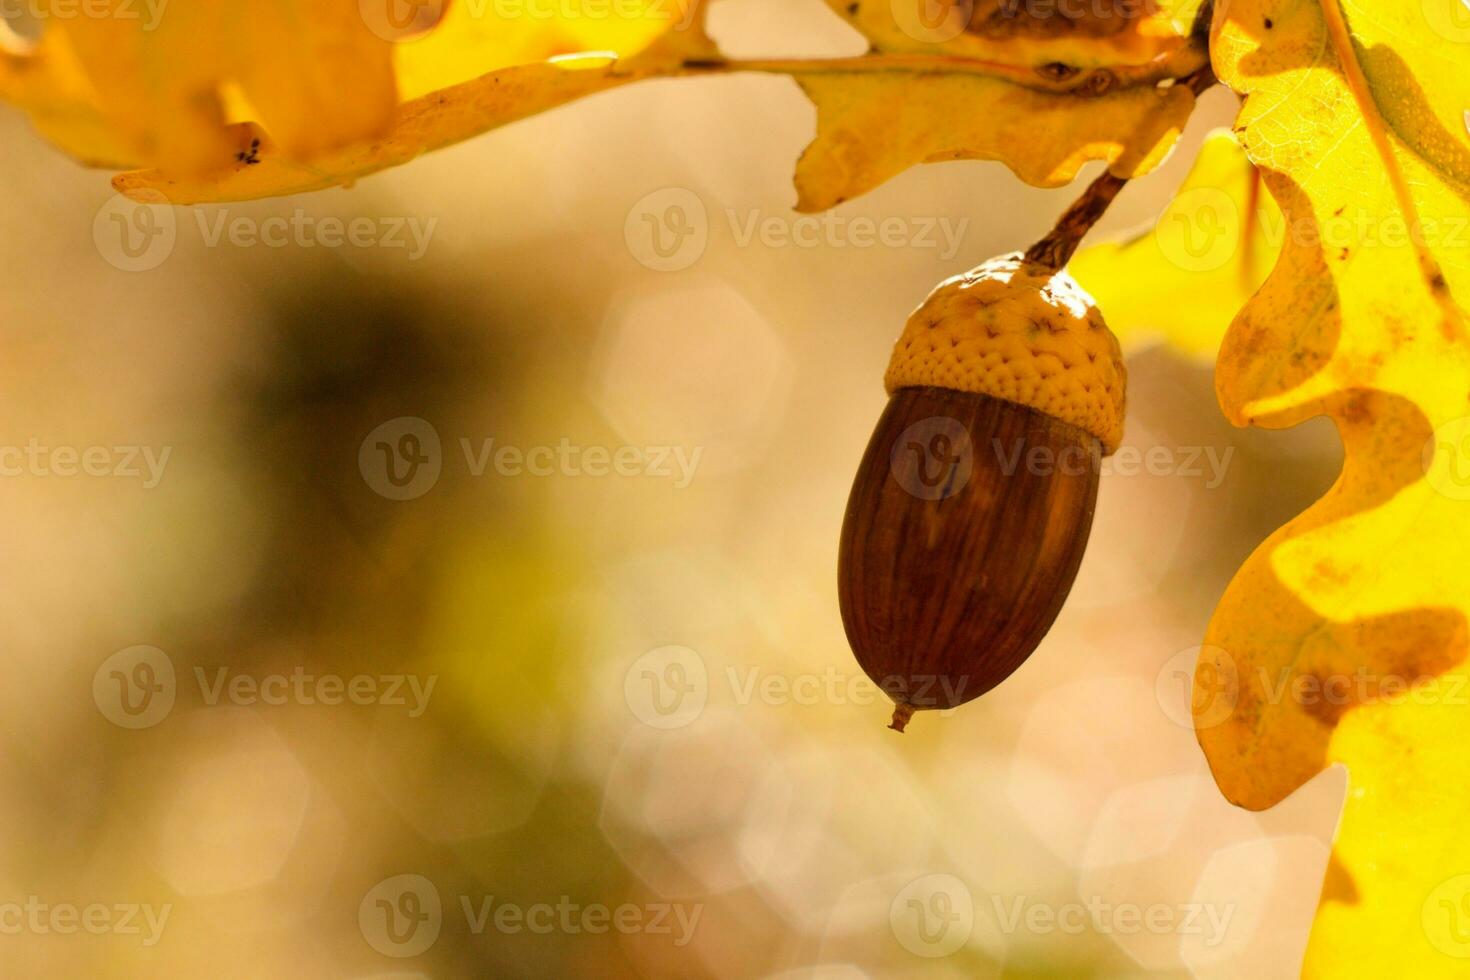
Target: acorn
x: 973, y: 502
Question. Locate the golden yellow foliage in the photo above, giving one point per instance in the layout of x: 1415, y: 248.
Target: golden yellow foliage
x: 133, y: 86
x: 1185, y: 279
x: 474, y: 40
x: 963, y: 82
x: 1343, y: 638
x: 419, y: 126
x: 1044, y: 137
x: 321, y: 85
x: 448, y: 108
x: 229, y: 102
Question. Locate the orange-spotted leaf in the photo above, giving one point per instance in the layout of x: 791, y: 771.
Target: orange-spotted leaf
x: 1343, y: 639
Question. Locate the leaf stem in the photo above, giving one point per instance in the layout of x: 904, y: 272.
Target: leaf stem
x: 1056, y: 249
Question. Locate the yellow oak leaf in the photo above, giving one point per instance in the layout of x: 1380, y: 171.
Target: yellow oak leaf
x: 147, y: 83
x: 863, y: 138
x: 188, y: 88
x: 429, y: 123
x: 534, y: 64
x: 621, y: 51
x: 50, y: 86
x: 1343, y: 638
x: 1038, y: 90
x: 877, y: 115
x: 1184, y: 279
x: 1046, y: 38
x: 472, y: 40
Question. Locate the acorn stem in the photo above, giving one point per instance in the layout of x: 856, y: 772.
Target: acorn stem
x: 1056, y: 249
x: 902, y: 712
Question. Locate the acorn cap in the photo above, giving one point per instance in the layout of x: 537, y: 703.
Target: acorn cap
x: 1021, y: 332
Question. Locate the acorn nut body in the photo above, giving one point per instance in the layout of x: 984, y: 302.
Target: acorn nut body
x: 973, y: 502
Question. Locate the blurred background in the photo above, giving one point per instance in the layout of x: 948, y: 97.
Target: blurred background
x: 456, y: 597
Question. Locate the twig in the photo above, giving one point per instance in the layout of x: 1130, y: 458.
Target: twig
x: 1056, y: 249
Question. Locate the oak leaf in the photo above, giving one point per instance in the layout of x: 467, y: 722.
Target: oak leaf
x: 872, y: 126
x: 130, y: 84
x: 956, y: 80
x: 1343, y: 638
x: 879, y: 114
x: 316, y: 92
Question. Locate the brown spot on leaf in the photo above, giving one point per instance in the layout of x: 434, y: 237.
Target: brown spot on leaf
x: 1041, y: 19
